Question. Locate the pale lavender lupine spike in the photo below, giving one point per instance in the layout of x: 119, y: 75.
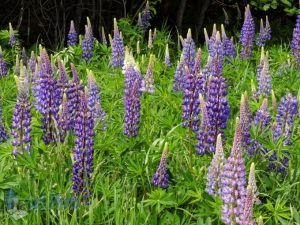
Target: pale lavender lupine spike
x: 161, y: 177
x: 264, y: 77
x: 117, y: 47
x: 247, y: 35
x: 214, y: 175
x: 167, y: 60
x: 246, y: 119
x: 148, y: 81
x: 233, y: 183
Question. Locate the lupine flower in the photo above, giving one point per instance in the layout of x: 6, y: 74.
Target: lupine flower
x: 74, y: 96
x: 179, y: 78
x: 146, y: 16
x: 247, y: 35
x: 203, y: 146
x: 63, y: 118
x: 189, y: 50
x: 117, y: 48
x: 148, y: 81
x: 246, y: 118
x: 167, y: 57
x: 264, y: 33
x: 87, y: 43
x: 3, y: 133
x: 132, y: 95
x: 24, y: 57
x: 216, y: 93
x: 262, y: 120
x: 32, y: 63
x: 72, y: 35
x: 150, y: 39
x: 12, y: 38
x: 229, y: 46
x: 190, y: 101
x: 214, y: 175
x: 233, y: 182
x: 247, y: 215
x: 206, y: 37
x: 93, y: 97
x: 295, y: 44
x: 103, y: 37
x: 3, y: 65
x: 161, y: 177
x: 62, y: 82
x: 47, y: 100
x: 83, y: 151
x: 21, y: 118
x: 263, y: 75
x: 197, y: 64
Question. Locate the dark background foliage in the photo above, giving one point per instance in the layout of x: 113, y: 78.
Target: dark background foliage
x: 47, y: 21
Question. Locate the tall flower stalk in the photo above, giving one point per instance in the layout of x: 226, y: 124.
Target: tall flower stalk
x: 295, y: 44
x: 3, y: 65
x: 247, y: 35
x: 21, y: 118
x: 3, y: 133
x: 87, y: 43
x: 161, y: 177
x: 83, y: 152
x: 72, y: 35
x: 148, y: 81
x: 117, y: 48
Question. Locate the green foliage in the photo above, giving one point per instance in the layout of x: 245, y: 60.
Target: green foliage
x: 289, y: 6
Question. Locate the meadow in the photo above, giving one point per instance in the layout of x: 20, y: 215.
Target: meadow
x: 36, y: 187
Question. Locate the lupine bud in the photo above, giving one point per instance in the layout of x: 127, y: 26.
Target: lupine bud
x: 161, y: 177
x: 32, y: 63
x: 150, y: 39
x: 72, y: 35
x: 117, y: 48
x: 3, y: 65
x: 138, y: 49
x: 247, y: 35
x: 179, y: 78
x: 154, y: 34
x: 21, y: 118
x: 247, y: 216
x: 83, y: 151
x: 167, y: 57
x: 264, y: 33
x: 24, y: 57
x: 233, y: 182
x: 246, y: 118
x: 295, y: 44
x: 214, y: 175
x: 12, y: 38
x: 87, y: 43
x: 206, y: 37
x: 148, y: 81
x: 103, y: 37
x: 3, y: 133
x: 63, y: 118
x: 274, y: 101
x: 93, y: 97
x: 140, y: 22
x: 260, y: 221
x: 17, y: 67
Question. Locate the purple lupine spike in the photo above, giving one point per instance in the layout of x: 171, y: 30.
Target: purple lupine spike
x: 179, y: 78
x: 263, y: 75
x: 3, y: 133
x: 145, y: 17
x: 287, y: 110
x: 246, y: 120
x: 87, y: 43
x: 21, y: 118
x: 83, y: 151
x: 203, y: 146
x: 190, y: 101
x: 73, y: 94
x: 217, y: 53
x: 167, y: 60
x: 161, y: 177
x: 262, y: 117
x: 295, y: 44
x: 62, y: 82
x: 229, y: 46
x: 47, y: 100
x: 12, y: 38
x: 132, y: 96
x: 268, y: 29
x: 24, y: 56
x: 189, y: 50
x: 63, y: 118
x: 247, y: 215
x: 117, y: 48
x: 72, y: 35
x: 214, y: 175
x: 32, y: 63
x: 233, y: 181
x: 247, y: 35
x: 93, y: 97
x: 3, y: 65
x: 216, y: 94
x: 264, y: 33
x: 103, y: 36
x: 197, y: 64
x: 148, y: 81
